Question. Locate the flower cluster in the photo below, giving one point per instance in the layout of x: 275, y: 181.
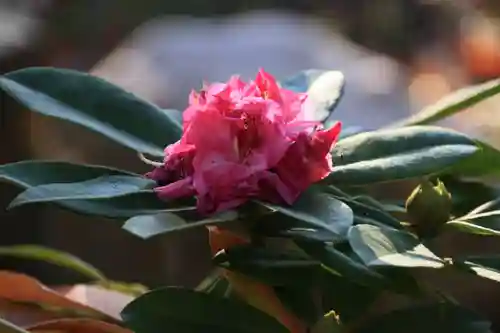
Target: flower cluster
x: 245, y: 140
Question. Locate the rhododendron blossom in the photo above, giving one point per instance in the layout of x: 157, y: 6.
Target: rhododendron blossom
x: 245, y: 140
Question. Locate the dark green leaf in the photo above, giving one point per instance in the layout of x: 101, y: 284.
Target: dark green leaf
x: 269, y: 266
x: 484, y: 266
x: 103, y: 187
x: 378, y: 246
x: 147, y: 226
x: 484, y: 162
x: 485, y: 223
x: 389, y: 155
x: 316, y: 210
x: 300, y: 301
x: 324, y: 90
x: 27, y: 174
x: 340, y: 264
x: 455, y: 102
x: 441, y: 317
x: 52, y: 256
x: 93, y: 103
x: 184, y: 310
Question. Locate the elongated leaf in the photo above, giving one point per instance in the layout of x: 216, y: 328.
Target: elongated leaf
x: 268, y: 266
x: 440, y: 317
x: 378, y: 246
x: 27, y: 174
x: 95, y: 104
x: 453, y: 103
x: 103, y: 187
x: 7, y: 327
x: 484, y: 162
x: 487, y: 266
x: 183, y: 310
x: 340, y: 264
x: 52, y: 256
x: 485, y: 223
x: 324, y: 90
x: 316, y: 210
x: 147, y: 226
x: 389, y: 155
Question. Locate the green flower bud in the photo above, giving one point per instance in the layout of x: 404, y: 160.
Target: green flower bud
x: 428, y: 207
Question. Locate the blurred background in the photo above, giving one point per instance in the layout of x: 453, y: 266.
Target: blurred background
x: 397, y: 55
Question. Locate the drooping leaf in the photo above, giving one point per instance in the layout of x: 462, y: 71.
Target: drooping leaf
x: 317, y: 211
x: 147, y: 226
x: 184, y: 310
x: 52, y: 256
x: 453, y: 103
x: 440, y: 317
x: 269, y: 266
x: 388, y: 155
x: 104, y: 187
x: 378, y: 246
x: 324, y: 90
x: 95, y: 104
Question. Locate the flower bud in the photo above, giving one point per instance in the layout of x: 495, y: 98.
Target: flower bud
x: 428, y: 207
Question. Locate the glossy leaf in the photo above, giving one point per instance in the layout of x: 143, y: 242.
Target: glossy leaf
x: 147, y: 226
x: 440, y: 317
x: 104, y: 187
x: 269, y: 266
x: 184, y: 310
x: 487, y: 266
x: 52, y: 256
x: 95, y: 104
x: 378, y: 246
x: 324, y: 90
x: 389, y: 155
x: 316, y: 210
x: 486, y: 223
x: 453, y: 103
x: 338, y: 263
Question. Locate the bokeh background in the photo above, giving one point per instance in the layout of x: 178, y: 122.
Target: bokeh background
x: 397, y: 55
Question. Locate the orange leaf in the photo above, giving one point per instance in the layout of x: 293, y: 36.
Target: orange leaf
x: 253, y: 292
x: 77, y: 326
x: 91, y: 299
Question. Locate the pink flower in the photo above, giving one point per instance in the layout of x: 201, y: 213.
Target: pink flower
x: 245, y: 140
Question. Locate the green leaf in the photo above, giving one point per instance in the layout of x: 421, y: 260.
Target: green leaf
x: 324, y: 90
x: 52, y: 256
x: 103, y: 187
x: 328, y: 324
x: 485, y: 223
x: 95, y: 104
x: 487, y: 267
x: 338, y: 263
x: 147, y: 226
x: 28, y: 174
x: 441, y: 317
x: 316, y: 210
x: 270, y: 267
x: 484, y: 162
x: 184, y: 310
x: 216, y: 285
x: 453, y: 103
x: 389, y: 155
x: 8, y: 327
x: 378, y: 246
x: 301, y: 302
